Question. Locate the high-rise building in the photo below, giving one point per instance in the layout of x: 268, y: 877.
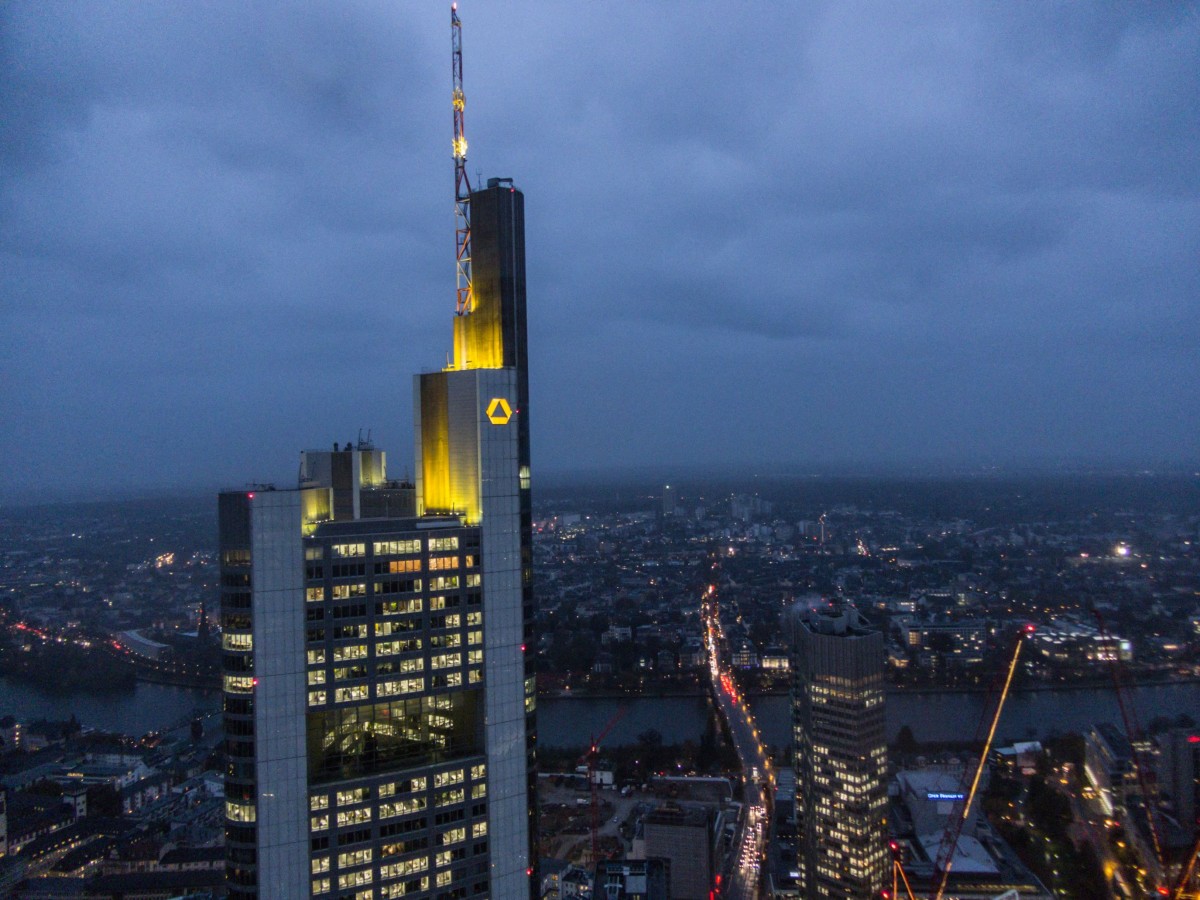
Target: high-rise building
x: 379, y: 699
x: 670, y: 499
x: 841, y: 754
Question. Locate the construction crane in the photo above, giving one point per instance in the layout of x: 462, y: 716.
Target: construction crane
x: 465, y: 300
x: 1180, y: 890
x: 944, y: 861
x: 589, y: 759
x: 1133, y: 733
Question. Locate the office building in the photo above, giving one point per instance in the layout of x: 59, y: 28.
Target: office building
x: 379, y: 699
x: 1179, y: 774
x: 841, y: 754
x: 633, y: 879
x: 685, y: 839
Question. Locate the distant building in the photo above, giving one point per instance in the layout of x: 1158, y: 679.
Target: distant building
x: 775, y: 659
x: 633, y: 879
x: 670, y: 500
x: 685, y: 838
x: 984, y: 866
x: 1179, y: 773
x: 963, y: 640
x: 746, y: 655
x: 1066, y: 642
x: 841, y: 754
x: 1108, y: 763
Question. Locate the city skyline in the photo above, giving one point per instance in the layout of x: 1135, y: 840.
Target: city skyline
x: 879, y: 236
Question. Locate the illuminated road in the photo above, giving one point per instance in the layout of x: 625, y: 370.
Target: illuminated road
x: 759, y: 778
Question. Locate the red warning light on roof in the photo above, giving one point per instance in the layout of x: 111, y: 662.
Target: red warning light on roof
x: 1030, y: 628
x: 1194, y: 738
x: 251, y: 495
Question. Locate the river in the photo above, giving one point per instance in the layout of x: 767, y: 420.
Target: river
x: 572, y: 721
x: 949, y: 716
x: 147, y: 707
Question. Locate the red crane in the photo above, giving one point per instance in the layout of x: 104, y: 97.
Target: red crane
x: 465, y: 301
x: 1133, y: 733
x: 589, y: 759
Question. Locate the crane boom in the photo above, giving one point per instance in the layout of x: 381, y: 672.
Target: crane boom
x: 1133, y: 733
x: 465, y: 300
x: 945, y: 856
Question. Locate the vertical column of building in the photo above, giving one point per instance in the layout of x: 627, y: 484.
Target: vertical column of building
x: 504, y: 637
x: 277, y: 555
x: 498, y: 258
x: 237, y: 642
x: 262, y: 602
x: 472, y: 459
x: 841, y: 756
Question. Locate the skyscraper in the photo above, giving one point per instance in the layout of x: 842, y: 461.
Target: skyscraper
x: 841, y: 754
x: 379, y: 699
x: 472, y: 459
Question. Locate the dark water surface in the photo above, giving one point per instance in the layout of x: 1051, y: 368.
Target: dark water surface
x: 571, y: 722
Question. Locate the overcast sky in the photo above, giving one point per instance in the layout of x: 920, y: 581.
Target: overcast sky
x: 776, y: 234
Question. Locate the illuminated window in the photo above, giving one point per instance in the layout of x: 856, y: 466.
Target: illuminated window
x: 355, y: 795
x: 347, y: 694
x: 343, y: 550
x: 239, y: 812
x: 396, y: 548
x: 443, y: 543
x: 401, y: 686
x: 230, y: 641
x: 353, y: 817
x: 355, y: 879
x: 354, y: 858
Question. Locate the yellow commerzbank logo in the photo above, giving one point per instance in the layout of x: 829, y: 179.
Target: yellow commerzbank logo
x: 498, y: 411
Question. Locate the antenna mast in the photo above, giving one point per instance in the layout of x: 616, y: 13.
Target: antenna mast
x: 465, y: 304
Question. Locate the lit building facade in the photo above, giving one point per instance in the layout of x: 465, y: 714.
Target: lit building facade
x: 379, y: 699
x: 841, y: 754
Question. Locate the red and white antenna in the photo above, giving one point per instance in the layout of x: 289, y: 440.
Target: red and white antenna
x: 465, y: 303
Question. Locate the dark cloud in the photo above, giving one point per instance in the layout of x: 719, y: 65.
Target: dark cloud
x: 867, y: 232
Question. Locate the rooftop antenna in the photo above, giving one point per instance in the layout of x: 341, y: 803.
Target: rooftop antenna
x: 465, y: 300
